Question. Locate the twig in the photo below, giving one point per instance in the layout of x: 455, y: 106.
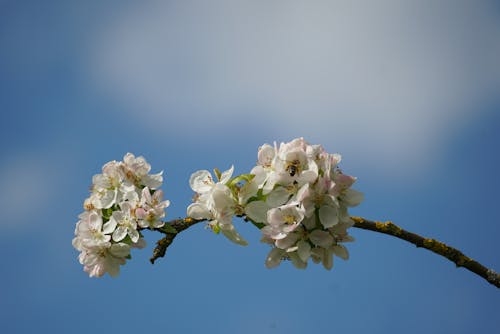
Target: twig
x: 452, y: 254
x: 172, y: 228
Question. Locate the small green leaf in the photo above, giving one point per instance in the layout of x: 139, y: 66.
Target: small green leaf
x: 240, y: 178
x: 217, y: 173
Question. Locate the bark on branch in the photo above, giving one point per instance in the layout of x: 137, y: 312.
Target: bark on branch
x: 174, y: 227
x: 452, y: 254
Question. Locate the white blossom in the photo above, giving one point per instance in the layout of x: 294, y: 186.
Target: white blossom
x: 124, y: 198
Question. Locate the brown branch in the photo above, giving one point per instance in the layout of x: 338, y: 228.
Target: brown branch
x: 174, y: 227
x: 171, y: 229
x: 452, y: 254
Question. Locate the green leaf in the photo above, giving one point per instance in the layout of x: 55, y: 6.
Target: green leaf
x: 240, y: 178
x: 217, y: 173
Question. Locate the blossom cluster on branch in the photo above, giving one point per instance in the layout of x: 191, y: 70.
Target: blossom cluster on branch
x: 124, y: 199
x: 296, y: 195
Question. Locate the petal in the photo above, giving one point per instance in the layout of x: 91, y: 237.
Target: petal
x: 277, y: 197
x: 110, y: 226
x: 341, y: 251
x: 120, y: 249
x: 230, y: 232
x: 226, y: 175
x: 95, y: 221
x: 297, y: 262
x: 328, y: 216
x: 327, y: 260
x: 287, y: 242
x: 353, y: 197
x: 133, y: 234
x: 119, y: 233
x: 274, y: 258
x: 321, y: 238
x: 201, y: 181
x: 304, y: 250
x: 257, y: 211
x: 199, y: 211
x: 153, y: 181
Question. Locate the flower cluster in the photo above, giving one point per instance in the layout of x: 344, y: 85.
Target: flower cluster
x: 296, y: 195
x: 124, y: 199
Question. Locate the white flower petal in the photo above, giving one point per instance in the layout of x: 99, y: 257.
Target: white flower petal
x: 274, y: 258
x: 303, y: 250
x: 321, y: 238
x: 287, y: 242
x: 226, y: 175
x: 341, y: 251
x: 257, y: 211
x: 119, y: 233
x: 277, y: 197
x: 120, y: 250
x: 297, y: 262
x: 353, y: 197
x: 230, y: 232
x: 110, y: 226
x: 199, y: 211
x: 201, y: 181
x: 327, y: 260
x: 328, y: 216
x: 133, y: 234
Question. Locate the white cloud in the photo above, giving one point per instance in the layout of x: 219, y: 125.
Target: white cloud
x: 385, y: 79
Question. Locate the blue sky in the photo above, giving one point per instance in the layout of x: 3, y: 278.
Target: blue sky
x: 407, y: 92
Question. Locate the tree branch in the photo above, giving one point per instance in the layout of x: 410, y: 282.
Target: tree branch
x: 174, y: 227
x: 452, y: 254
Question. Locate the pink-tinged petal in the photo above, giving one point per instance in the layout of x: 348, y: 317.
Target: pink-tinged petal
x: 274, y: 217
x: 328, y: 216
x: 265, y: 155
x: 257, y: 211
x: 120, y: 233
x: 341, y: 251
x: 198, y: 211
x: 145, y: 196
x: 321, y: 238
x: 140, y: 213
x: 226, y: 175
x: 201, y: 181
x: 274, y: 258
